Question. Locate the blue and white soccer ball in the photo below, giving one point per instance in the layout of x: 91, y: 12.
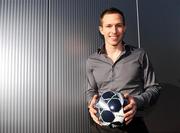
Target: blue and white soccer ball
x: 110, y: 108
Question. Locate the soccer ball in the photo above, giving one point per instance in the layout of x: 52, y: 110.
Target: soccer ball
x: 110, y: 109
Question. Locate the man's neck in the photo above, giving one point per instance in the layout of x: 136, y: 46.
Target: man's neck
x: 113, y: 52
x: 114, y: 49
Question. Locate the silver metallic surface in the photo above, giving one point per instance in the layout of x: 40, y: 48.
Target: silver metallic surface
x: 23, y: 66
x: 44, y: 45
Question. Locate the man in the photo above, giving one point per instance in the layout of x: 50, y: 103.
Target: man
x: 122, y: 68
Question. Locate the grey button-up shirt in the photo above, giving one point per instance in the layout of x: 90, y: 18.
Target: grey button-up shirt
x: 132, y: 73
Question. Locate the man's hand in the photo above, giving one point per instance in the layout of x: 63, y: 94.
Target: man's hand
x: 129, y: 109
x: 92, y: 109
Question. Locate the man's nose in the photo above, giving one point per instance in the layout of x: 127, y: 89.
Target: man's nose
x: 114, y: 29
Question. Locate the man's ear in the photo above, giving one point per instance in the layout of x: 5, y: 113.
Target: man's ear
x: 101, y: 30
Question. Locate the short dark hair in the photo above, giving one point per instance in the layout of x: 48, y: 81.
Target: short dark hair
x: 111, y: 11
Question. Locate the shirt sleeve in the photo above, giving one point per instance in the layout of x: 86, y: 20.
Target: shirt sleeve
x: 151, y: 91
x: 92, y: 88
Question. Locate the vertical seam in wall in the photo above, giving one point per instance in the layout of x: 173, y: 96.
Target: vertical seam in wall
x: 48, y: 65
x: 138, y: 29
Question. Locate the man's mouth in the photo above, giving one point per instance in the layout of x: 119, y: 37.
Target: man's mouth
x: 114, y: 37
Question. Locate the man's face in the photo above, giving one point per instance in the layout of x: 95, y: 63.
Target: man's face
x: 112, y: 29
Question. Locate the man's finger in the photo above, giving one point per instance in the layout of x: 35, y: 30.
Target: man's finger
x: 93, y: 101
x: 93, y: 110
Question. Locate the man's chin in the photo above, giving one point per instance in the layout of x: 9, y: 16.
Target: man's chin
x: 115, y: 43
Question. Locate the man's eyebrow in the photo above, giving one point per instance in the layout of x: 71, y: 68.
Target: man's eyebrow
x: 113, y: 24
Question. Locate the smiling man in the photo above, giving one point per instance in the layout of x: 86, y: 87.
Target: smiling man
x: 120, y: 67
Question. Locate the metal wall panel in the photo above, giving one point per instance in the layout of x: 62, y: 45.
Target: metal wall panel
x: 23, y: 66
x: 73, y: 35
x: 160, y: 31
x: 44, y: 45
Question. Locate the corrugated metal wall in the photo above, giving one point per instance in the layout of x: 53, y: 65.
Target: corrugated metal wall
x: 23, y: 66
x: 43, y: 48
x: 44, y: 45
x: 73, y: 36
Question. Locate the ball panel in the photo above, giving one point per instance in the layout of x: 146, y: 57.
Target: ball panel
x: 107, y: 116
x: 114, y: 105
x: 107, y: 94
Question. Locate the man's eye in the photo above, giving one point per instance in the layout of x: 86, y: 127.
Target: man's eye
x: 119, y: 25
x: 108, y: 26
